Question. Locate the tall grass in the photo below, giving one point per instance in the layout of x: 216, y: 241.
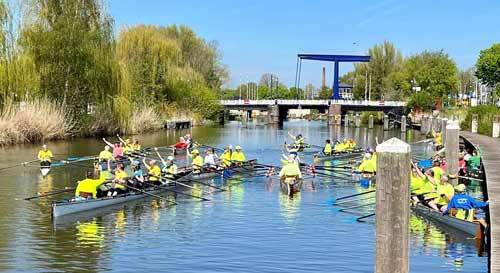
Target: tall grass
x: 486, y: 114
x: 34, y: 120
x: 144, y: 119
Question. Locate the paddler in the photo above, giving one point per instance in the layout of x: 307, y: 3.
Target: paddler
x: 327, y: 150
x: 119, y: 181
x: 238, y: 157
x: 117, y: 149
x: 197, y: 163
x: 136, y: 146
x: 154, y: 171
x: 87, y: 188
x: 438, y: 139
x: 425, y: 192
x: 138, y: 178
x: 463, y: 206
x: 291, y: 171
x: 226, y: 156
x: 438, y: 171
x: 45, y: 156
x: 210, y: 159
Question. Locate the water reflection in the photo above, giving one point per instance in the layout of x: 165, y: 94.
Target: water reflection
x: 90, y: 234
x: 290, y: 206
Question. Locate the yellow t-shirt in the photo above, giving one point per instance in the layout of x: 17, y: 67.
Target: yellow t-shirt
x: 89, y: 185
x: 238, y: 156
x: 45, y: 155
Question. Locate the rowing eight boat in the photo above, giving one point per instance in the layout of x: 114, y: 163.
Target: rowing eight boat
x: 470, y: 228
x: 338, y: 155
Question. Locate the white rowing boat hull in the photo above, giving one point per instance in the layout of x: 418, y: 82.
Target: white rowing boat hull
x: 71, y: 207
x: 336, y: 156
x: 45, y: 170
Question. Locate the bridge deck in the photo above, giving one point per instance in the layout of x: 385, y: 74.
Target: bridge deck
x: 490, y: 148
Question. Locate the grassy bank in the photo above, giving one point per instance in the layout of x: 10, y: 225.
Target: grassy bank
x: 486, y: 114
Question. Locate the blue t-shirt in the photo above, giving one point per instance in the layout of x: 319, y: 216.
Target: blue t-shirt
x: 465, y: 202
x: 138, y: 173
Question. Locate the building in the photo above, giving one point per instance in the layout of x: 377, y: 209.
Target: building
x: 345, y: 91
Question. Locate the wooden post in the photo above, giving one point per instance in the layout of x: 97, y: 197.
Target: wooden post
x: 357, y: 120
x: 370, y: 122
x: 451, y: 151
x: 444, y: 122
x: 346, y: 120
x: 474, y: 123
x: 338, y: 119
x: 273, y: 114
x: 429, y: 125
x: 392, y: 211
x: 403, y: 123
x: 423, y: 125
x: 333, y: 111
x: 386, y: 122
x: 496, y: 127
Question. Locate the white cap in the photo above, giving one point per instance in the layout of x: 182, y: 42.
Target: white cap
x: 291, y: 158
x: 368, y: 155
x: 171, y: 158
x: 44, y: 146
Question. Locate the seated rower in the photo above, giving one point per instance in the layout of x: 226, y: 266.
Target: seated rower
x: 181, y: 145
x: 298, y: 140
x: 445, y: 192
x: 136, y: 146
x: 45, y: 156
x: 238, y: 157
x: 170, y: 168
x: 210, y: 159
x: 154, y: 171
x: 126, y: 144
x: 463, y: 206
x: 138, y: 179
x: 226, y: 157
x: 290, y: 172
x: 339, y: 147
x: 117, y: 149
x: 327, y: 150
x: 87, y: 188
x: 438, y: 139
x: 438, y: 171
x: 119, y: 182
x: 474, y: 161
x: 197, y: 164
x: 367, y: 166
x: 421, y: 188
x: 105, y: 157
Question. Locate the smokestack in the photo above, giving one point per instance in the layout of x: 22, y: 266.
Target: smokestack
x: 323, y: 78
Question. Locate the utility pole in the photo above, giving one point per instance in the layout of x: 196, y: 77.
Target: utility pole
x: 370, y: 89
x: 366, y: 84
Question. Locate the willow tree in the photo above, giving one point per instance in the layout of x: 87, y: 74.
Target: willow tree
x: 71, y: 44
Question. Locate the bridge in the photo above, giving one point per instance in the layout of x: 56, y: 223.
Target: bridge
x: 277, y: 109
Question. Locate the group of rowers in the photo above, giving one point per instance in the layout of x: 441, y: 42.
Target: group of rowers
x: 115, y: 181
x: 433, y: 189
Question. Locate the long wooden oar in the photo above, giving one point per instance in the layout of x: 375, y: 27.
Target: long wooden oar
x: 177, y: 192
x: 358, y: 206
x: 50, y: 193
x: 353, y: 200
x: 19, y: 164
x: 354, y: 195
x: 366, y: 216
x: 151, y: 194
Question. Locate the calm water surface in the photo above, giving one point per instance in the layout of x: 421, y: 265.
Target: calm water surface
x: 251, y: 227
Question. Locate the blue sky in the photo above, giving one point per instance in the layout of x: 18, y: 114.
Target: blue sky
x: 256, y: 37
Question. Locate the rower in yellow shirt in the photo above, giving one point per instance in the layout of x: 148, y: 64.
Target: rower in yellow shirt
x: 367, y: 166
x: 119, y: 182
x: 197, y: 163
x: 226, y: 157
x: 238, y: 156
x: 87, y: 188
x: 327, y: 150
x: 445, y: 192
x: 154, y: 171
x: 45, y: 156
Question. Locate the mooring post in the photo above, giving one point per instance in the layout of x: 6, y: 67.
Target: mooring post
x: 273, y: 113
x: 357, y: 121
x: 496, y: 127
x: 473, y: 126
x: 370, y: 122
x: 444, y: 123
x: 423, y: 124
x: 386, y: 122
x: 346, y: 120
x: 392, y: 211
x: 338, y: 119
x: 429, y: 124
x: 451, y: 151
x: 437, y: 124
x: 403, y: 123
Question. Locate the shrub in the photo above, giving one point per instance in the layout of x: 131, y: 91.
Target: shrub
x: 485, y: 113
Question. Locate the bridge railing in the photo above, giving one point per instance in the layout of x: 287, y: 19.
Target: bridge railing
x: 312, y: 102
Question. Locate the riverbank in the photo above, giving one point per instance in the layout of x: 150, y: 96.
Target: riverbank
x: 485, y: 116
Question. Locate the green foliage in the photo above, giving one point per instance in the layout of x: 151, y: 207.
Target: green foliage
x: 325, y: 93
x: 421, y: 100
x: 488, y: 65
x: 486, y: 114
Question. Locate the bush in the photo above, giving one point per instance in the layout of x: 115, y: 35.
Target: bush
x: 421, y: 101
x: 377, y: 117
x: 485, y: 113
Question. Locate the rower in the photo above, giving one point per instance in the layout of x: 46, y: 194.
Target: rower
x: 197, y: 163
x: 367, y: 166
x: 238, y: 156
x: 463, y: 206
x: 438, y: 171
x: 474, y: 161
x: 105, y: 157
x: 339, y: 147
x: 138, y: 179
x: 327, y: 150
x: 170, y: 167
x: 126, y: 144
x: 290, y: 172
x: 87, y: 188
x: 136, y: 146
x: 119, y: 182
x: 445, y: 192
x: 154, y: 171
x: 226, y: 156
x: 438, y: 139
x: 45, y: 156
x: 298, y: 140
x: 117, y: 149
x: 181, y: 145
x: 189, y: 140
x: 210, y: 159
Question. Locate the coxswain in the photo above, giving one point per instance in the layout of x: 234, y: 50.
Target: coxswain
x: 154, y: 171
x: 45, y: 156
x: 445, y: 192
x: 327, y: 150
x: 290, y: 172
x: 119, y: 181
x: 463, y: 206
x: 87, y: 188
x: 226, y: 157
x: 197, y: 163
x: 170, y: 168
x: 211, y: 159
x: 238, y: 157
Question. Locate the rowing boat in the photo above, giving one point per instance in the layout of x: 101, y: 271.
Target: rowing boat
x: 291, y: 188
x: 338, y: 155
x: 470, y: 228
x: 247, y: 166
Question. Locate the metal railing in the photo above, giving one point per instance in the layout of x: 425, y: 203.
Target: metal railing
x: 312, y: 102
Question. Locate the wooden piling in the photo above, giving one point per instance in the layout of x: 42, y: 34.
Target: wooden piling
x: 403, y: 123
x: 346, y: 120
x: 444, y: 122
x: 386, y: 122
x: 496, y: 127
x: 273, y: 114
x: 423, y: 125
x: 357, y: 120
x: 474, y: 123
x: 370, y: 122
x: 451, y: 151
x: 429, y: 125
x: 392, y: 210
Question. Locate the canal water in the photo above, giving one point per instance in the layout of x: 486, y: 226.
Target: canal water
x: 252, y: 227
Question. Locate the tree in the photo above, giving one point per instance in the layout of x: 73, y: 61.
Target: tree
x: 488, y: 65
